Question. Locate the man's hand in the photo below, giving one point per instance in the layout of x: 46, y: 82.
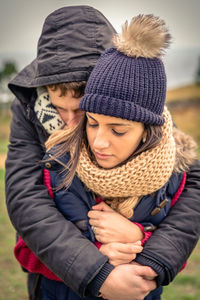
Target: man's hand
x: 129, y: 282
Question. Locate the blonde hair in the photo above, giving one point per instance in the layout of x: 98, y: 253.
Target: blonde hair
x: 67, y: 140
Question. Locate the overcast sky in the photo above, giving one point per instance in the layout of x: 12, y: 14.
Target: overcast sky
x: 21, y: 20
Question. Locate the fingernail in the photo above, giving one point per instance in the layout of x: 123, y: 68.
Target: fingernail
x: 138, y: 242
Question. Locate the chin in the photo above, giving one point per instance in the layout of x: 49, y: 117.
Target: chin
x: 106, y: 165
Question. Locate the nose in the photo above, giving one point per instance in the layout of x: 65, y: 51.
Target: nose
x: 101, y: 140
x: 72, y: 119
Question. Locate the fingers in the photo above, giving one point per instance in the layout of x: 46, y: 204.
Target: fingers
x: 95, y: 214
x: 95, y: 222
x: 102, y: 206
x: 150, y: 285
x: 119, y: 253
x: 122, y: 258
x: 98, y: 218
x: 145, y: 271
x: 118, y: 258
x: 150, y: 273
x: 101, y: 235
x: 129, y: 248
x: 117, y: 262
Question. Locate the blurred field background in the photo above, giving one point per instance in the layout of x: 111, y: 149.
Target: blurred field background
x: 184, y: 103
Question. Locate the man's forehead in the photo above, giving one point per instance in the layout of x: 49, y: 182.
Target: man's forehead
x: 66, y: 102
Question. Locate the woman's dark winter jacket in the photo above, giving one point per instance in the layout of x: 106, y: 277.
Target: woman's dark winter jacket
x: 57, y: 242
x: 75, y: 203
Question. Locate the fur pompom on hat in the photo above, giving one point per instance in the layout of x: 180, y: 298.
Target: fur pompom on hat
x: 129, y: 80
x: 145, y: 36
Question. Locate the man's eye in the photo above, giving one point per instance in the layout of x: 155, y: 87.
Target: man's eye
x: 60, y: 109
x: 118, y: 133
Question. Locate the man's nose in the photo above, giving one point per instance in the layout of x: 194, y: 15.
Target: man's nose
x: 72, y: 120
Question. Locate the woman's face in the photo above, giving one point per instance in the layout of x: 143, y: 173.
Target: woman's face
x: 112, y: 140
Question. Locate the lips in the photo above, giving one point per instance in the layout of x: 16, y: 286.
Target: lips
x: 101, y: 155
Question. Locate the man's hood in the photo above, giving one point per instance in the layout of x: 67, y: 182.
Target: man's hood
x: 70, y: 44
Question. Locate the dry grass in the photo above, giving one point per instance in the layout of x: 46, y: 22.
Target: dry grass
x: 188, y: 120
x: 185, y: 93
x: 12, y: 279
x: 184, y: 105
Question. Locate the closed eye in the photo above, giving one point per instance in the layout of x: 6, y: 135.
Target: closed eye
x: 58, y: 107
x: 118, y: 133
x: 92, y: 125
x: 76, y: 111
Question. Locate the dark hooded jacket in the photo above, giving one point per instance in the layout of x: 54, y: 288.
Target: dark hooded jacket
x: 72, y: 39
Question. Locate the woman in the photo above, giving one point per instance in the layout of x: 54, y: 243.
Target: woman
x: 125, y: 154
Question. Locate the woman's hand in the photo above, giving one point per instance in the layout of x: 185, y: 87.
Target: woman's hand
x: 119, y: 253
x: 109, y: 226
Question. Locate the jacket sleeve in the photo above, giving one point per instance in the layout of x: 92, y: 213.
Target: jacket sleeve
x: 54, y: 240
x: 30, y: 262
x: 174, y: 240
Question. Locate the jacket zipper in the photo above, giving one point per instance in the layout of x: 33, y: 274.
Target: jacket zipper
x: 28, y: 110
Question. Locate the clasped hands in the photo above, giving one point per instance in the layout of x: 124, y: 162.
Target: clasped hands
x: 120, y: 238
x: 121, y: 241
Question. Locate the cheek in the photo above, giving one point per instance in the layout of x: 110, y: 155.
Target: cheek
x: 63, y: 116
x: 124, y: 150
x: 127, y: 151
x: 79, y: 116
x: 131, y: 145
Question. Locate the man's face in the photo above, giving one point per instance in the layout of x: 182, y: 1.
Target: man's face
x: 67, y: 106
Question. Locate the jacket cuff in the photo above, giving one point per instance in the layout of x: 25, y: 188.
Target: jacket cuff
x: 95, y: 285
x: 147, y: 234
x: 159, y: 269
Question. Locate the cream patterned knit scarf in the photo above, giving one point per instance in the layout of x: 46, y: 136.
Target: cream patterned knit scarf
x: 46, y: 113
x: 123, y: 186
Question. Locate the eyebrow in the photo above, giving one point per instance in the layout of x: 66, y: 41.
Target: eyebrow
x: 112, y: 124
x: 57, y: 106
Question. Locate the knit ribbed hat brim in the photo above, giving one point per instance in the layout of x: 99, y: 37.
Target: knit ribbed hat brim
x: 101, y: 104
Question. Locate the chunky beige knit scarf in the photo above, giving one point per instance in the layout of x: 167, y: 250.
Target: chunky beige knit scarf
x: 123, y: 186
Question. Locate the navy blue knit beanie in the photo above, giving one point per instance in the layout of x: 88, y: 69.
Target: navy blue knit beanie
x: 129, y: 81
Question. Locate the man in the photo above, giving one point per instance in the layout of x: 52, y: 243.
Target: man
x: 71, y: 42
